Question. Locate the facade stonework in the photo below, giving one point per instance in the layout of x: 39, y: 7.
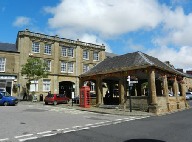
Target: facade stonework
x: 65, y: 57
x: 8, y: 77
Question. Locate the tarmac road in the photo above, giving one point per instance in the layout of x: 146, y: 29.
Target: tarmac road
x: 176, y: 127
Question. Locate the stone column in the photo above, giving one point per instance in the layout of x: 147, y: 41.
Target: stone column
x: 99, y: 91
x: 166, y: 91
x: 123, y: 91
x: 152, y: 91
x: 183, y: 93
x: 152, y: 87
x: 175, y: 91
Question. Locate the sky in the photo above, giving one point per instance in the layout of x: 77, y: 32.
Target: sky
x: 159, y: 28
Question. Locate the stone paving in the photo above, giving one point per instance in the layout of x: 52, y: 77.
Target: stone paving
x: 105, y: 109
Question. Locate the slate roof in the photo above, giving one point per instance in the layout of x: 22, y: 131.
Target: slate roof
x: 110, y: 55
x: 8, y: 47
x: 129, y: 61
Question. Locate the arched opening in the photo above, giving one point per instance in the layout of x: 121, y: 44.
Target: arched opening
x: 66, y: 87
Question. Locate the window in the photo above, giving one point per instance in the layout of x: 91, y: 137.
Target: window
x: 34, y: 86
x: 85, y: 67
x: 48, y: 62
x: 35, y: 47
x: 64, y: 51
x: 85, y: 54
x: 2, y: 64
x: 95, y: 56
x: 63, y: 66
x: 70, y: 67
x: 47, y: 49
x: 70, y: 52
x: 46, y: 85
x: 67, y: 67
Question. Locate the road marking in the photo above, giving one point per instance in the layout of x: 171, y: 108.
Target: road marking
x: 85, y: 128
x: 45, y: 132
x: 31, y: 138
x: 88, y: 124
x: 47, y: 135
x: 5, y: 139
x: 117, y: 122
x: 27, y: 135
x: 118, y: 119
x: 69, y: 131
x: 76, y: 126
x: 99, y: 123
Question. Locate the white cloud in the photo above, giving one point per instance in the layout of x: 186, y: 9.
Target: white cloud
x: 177, y: 28
x: 94, y: 39
x: 179, y: 58
x: 108, y: 18
x: 97, y: 20
x: 21, y: 21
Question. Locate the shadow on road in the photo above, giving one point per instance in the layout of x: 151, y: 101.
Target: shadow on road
x: 143, y: 140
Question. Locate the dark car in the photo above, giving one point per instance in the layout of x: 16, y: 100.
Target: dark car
x: 6, y: 99
x: 56, y: 99
x: 76, y: 100
x: 188, y: 95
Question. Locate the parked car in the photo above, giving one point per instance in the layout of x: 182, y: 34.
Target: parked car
x: 56, y: 99
x: 6, y: 99
x: 76, y: 100
x: 188, y: 95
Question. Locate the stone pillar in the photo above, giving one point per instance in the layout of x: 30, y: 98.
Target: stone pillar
x: 152, y: 91
x: 152, y: 86
x: 166, y: 91
x: 175, y: 92
x: 99, y: 91
x: 122, y: 92
x: 183, y: 93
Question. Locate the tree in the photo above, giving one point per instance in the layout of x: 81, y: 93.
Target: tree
x: 34, y: 69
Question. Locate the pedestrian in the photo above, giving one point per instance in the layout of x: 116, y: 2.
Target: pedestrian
x: 25, y: 95
x: 49, y: 93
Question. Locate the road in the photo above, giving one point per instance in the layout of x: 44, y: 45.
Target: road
x: 34, y: 121
x: 176, y: 127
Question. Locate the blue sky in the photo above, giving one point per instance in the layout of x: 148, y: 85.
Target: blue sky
x: 160, y: 28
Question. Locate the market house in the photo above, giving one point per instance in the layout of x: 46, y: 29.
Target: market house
x: 139, y: 79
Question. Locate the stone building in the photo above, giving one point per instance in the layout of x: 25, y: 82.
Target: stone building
x: 66, y: 60
x: 9, y: 66
x: 127, y: 76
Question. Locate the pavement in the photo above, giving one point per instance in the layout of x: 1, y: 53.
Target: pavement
x: 104, y: 109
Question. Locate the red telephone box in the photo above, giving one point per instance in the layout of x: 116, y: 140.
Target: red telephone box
x: 85, y: 96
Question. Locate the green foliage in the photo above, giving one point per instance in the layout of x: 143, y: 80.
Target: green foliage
x: 34, y: 69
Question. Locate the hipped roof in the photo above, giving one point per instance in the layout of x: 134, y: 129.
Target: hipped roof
x: 129, y: 61
x: 8, y: 47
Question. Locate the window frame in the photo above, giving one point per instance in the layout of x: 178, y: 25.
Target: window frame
x: 47, y: 49
x: 70, y: 52
x: 69, y: 67
x: 35, y: 48
x: 86, y: 54
x: 85, y: 68
x: 64, y: 51
x: 2, y: 64
x: 64, y: 66
x: 33, y: 82
x: 46, y: 85
x: 48, y: 62
x: 95, y: 56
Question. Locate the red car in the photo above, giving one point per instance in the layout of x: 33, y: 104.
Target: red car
x: 56, y: 99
